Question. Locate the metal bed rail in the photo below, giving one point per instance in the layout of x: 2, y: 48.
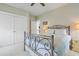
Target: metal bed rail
x: 42, y: 45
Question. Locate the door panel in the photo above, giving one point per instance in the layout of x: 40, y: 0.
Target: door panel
x: 12, y: 29
x: 6, y: 22
x: 20, y: 23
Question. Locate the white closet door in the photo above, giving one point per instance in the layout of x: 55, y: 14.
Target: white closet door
x: 20, y: 23
x: 6, y: 29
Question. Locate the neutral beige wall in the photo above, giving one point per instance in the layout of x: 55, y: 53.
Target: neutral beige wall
x: 65, y: 15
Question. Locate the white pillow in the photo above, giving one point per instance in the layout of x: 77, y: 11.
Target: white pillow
x: 60, y: 31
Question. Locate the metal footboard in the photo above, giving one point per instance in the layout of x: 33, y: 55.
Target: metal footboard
x: 40, y: 44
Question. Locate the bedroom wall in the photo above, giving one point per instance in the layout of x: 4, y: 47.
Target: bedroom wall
x: 65, y: 15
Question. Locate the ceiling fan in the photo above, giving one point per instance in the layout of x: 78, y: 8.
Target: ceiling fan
x: 40, y: 3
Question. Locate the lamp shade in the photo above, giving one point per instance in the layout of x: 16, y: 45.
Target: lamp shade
x: 75, y: 26
x: 45, y: 28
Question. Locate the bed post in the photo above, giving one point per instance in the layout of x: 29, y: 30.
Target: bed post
x: 52, y: 49
x: 35, y: 44
x: 68, y: 30
x: 24, y: 39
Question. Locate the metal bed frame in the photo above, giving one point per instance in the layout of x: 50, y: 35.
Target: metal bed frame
x: 60, y: 27
x: 36, y: 40
x: 46, y: 41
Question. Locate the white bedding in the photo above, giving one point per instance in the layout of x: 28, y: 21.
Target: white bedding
x: 41, y: 51
x: 68, y: 52
x: 72, y: 53
x: 61, y: 44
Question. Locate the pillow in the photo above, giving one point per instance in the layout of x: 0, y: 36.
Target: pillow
x: 75, y: 45
x: 60, y: 31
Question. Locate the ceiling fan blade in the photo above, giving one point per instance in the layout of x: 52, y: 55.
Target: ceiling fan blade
x: 32, y: 4
x: 42, y: 4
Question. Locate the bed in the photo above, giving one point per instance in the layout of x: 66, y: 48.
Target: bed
x: 44, y: 45
x: 40, y: 44
x: 62, y: 39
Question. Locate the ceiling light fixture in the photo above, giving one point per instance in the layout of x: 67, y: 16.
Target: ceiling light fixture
x: 35, y: 3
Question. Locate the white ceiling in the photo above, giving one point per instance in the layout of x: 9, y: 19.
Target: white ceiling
x: 37, y: 9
